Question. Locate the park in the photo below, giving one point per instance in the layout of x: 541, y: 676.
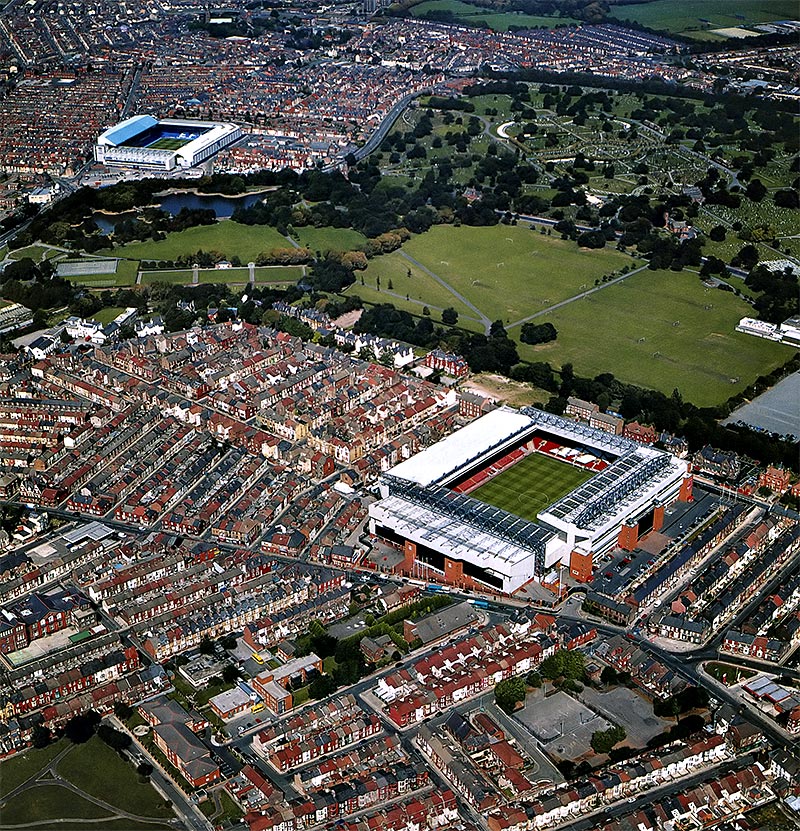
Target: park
x: 69, y: 786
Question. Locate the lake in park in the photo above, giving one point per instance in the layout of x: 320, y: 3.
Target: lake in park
x: 172, y: 203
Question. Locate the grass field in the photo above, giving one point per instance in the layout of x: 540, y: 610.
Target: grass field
x: 530, y: 485
x: 97, y: 770
x: 267, y: 274
x: 36, y: 252
x: 732, y: 674
x: 629, y: 329
x: 470, y: 14
x: 672, y: 16
x: 230, y: 238
x: 15, y: 771
x: 329, y: 239
x: 49, y: 802
x: 510, y: 272
x: 168, y: 144
x: 264, y: 274
x: 107, y: 314
x: 406, y: 279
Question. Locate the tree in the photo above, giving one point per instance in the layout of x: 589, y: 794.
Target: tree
x: 144, y: 769
x: 122, y: 710
x: 537, y: 333
x: 115, y: 739
x: 79, y: 729
x: 756, y: 190
x: 230, y: 673
x: 206, y: 646
x: 717, y: 233
x: 449, y: 316
x: 567, y: 664
x: 787, y: 198
x: 533, y: 679
x: 747, y: 256
x: 40, y: 736
x: 321, y: 686
x: 609, y: 676
x: 603, y: 740
x: 508, y: 693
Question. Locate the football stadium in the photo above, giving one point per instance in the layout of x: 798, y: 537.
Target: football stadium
x: 148, y: 143
x: 516, y: 494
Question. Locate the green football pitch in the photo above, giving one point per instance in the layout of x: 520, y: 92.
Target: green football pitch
x: 531, y: 485
x: 168, y: 144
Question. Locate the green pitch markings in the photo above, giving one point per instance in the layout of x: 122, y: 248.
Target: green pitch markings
x: 532, y: 484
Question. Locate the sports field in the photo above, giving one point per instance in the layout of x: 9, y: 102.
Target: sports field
x: 507, y: 271
x: 662, y: 330
x: 471, y: 15
x: 168, y: 144
x: 531, y: 485
x: 229, y: 237
x: 329, y: 239
x: 672, y: 16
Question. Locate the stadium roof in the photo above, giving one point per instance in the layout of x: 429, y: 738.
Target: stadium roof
x: 490, y: 538
x: 462, y: 447
x: 616, y: 489
x: 579, y: 433
x: 127, y: 129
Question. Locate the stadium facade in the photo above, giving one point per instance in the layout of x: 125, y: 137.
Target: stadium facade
x: 147, y: 143
x: 449, y: 536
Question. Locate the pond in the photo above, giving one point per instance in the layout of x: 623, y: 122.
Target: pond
x: 172, y: 203
x: 223, y: 206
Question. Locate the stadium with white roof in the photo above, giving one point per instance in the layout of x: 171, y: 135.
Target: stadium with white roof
x: 452, y: 537
x: 148, y: 143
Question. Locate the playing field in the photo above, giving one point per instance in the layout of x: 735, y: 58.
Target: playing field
x: 471, y: 15
x: 168, y: 144
x: 508, y: 271
x: 672, y: 16
x: 531, y: 485
x: 329, y: 239
x: 229, y: 237
x: 662, y: 330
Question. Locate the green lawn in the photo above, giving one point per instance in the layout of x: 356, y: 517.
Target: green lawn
x: 267, y: 274
x: 264, y: 274
x: 507, y: 271
x: 732, y: 674
x: 420, y: 287
x: 531, y: 485
x: 329, y: 239
x: 18, y: 769
x: 179, y: 278
x: 228, y: 237
x: 470, y: 14
x: 630, y: 329
x: 96, y: 769
x: 36, y: 252
x: 672, y: 16
x: 125, y: 275
x: 49, y: 802
x: 107, y: 314
x: 300, y: 696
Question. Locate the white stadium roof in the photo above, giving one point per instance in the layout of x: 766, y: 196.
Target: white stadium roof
x: 458, y: 449
x: 461, y: 539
